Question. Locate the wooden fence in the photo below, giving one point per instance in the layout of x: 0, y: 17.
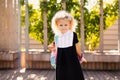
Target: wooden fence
x: 8, y: 59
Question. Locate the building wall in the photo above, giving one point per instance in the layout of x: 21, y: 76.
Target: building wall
x: 110, y: 38
x: 33, y: 44
x: 8, y: 25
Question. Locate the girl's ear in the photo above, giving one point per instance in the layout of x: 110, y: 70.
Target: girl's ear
x: 56, y: 23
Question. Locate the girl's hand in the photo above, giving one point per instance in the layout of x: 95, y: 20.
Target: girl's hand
x: 83, y: 60
x: 51, y: 47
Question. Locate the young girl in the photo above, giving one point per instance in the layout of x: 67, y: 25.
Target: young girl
x: 68, y: 48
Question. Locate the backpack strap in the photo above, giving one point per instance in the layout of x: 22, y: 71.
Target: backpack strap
x: 56, y: 39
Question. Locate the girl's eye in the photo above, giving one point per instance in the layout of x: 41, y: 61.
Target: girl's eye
x: 61, y: 25
x: 65, y: 24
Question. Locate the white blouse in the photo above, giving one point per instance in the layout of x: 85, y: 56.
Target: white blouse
x: 65, y: 40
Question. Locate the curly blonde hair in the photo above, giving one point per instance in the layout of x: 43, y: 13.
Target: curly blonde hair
x: 63, y: 15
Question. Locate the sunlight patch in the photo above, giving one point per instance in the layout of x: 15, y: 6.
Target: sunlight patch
x: 22, y: 70
x: 19, y: 78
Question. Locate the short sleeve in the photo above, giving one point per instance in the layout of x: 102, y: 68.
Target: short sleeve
x: 75, y: 40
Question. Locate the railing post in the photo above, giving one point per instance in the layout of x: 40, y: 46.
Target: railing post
x: 119, y: 28
x: 64, y: 4
x: 19, y: 32
x: 45, y: 28
x: 101, y: 26
x: 82, y: 26
x: 26, y: 27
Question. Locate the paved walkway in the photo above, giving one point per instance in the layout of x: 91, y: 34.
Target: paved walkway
x: 8, y: 74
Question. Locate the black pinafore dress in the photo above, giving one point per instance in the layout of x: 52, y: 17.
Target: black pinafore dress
x: 68, y: 66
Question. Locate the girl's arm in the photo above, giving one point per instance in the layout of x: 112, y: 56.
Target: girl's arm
x: 78, y: 49
x: 82, y: 59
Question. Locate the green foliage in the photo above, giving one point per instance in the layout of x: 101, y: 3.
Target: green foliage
x: 22, y: 2
x: 23, y: 16
x: 91, y: 19
x: 110, y: 13
x: 36, y: 24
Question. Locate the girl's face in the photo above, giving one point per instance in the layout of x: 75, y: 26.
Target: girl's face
x: 63, y: 25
